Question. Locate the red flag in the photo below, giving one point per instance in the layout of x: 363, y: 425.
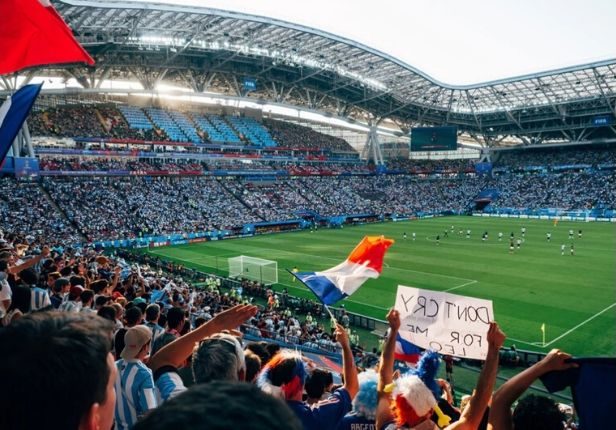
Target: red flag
x: 32, y: 33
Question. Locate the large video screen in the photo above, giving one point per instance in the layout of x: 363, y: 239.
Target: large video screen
x: 434, y: 139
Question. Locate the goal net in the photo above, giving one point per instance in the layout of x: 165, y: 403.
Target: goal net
x: 255, y: 269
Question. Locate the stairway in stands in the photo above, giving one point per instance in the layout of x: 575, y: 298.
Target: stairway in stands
x: 240, y: 199
x: 61, y: 211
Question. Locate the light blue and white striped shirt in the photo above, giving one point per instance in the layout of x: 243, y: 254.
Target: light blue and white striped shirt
x: 169, y: 385
x: 157, y: 331
x: 135, y: 393
x: 39, y: 299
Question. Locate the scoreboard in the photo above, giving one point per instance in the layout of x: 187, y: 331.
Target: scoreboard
x: 434, y: 139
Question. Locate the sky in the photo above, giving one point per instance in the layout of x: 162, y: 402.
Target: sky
x: 457, y: 42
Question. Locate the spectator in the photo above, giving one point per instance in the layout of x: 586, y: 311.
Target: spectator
x: 412, y: 402
x: 363, y: 414
x: 532, y: 412
x: 134, y: 386
x: 285, y: 375
x: 220, y: 406
x: 152, y: 314
x: 76, y: 396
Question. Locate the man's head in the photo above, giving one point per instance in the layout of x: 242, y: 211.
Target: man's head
x: 61, y: 285
x: 152, y: 313
x: 82, y: 386
x: 136, y: 343
x: 219, y: 358
x: 133, y: 316
x: 318, y: 382
x: 537, y: 412
x: 175, y: 319
x: 28, y: 276
x: 87, y: 297
x: 200, y: 407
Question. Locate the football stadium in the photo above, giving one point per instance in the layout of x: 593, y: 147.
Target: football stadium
x: 214, y: 213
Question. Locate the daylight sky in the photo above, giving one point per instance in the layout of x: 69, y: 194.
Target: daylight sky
x: 457, y: 41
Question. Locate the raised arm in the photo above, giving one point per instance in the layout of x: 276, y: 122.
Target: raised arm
x: 386, y: 370
x: 174, y: 353
x: 14, y: 270
x: 351, y: 384
x: 510, y: 391
x: 473, y: 413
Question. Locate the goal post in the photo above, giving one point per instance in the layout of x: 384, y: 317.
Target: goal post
x: 255, y: 269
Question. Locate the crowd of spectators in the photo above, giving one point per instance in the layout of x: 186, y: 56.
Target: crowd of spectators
x: 26, y: 209
x: 132, y: 342
x: 297, y: 136
x: 550, y: 157
x: 564, y: 191
x: 102, y: 208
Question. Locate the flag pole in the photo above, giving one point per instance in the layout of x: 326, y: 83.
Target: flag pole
x: 543, y: 334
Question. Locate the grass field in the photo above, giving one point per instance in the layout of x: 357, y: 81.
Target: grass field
x: 575, y: 296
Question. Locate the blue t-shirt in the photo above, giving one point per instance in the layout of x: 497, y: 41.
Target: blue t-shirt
x: 324, y: 415
x: 353, y: 421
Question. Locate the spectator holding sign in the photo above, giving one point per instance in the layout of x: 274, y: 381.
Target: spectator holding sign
x: 410, y: 403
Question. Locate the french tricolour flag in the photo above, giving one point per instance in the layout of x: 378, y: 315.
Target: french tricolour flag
x: 32, y: 33
x: 13, y: 113
x: 366, y: 261
x: 406, y: 351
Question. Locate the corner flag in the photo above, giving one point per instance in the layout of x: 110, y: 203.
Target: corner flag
x: 33, y: 34
x: 13, y: 113
x: 366, y: 261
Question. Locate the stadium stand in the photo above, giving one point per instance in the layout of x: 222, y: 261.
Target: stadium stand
x: 252, y: 131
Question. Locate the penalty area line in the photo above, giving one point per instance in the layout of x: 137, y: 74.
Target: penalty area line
x: 460, y: 286
x: 580, y: 324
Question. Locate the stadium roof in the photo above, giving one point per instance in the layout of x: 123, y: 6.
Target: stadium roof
x: 215, y: 51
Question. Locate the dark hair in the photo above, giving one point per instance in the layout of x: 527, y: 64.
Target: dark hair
x: 316, y: 383
x: 3, y: 265
x: 86, y: 295
x: 259, y: 349
x: 98, y: 286
x: 21, y: 299
x: 28, y: 276
x: 66, y: 270
x: 58, y: 362
x: 253, y: 365
x: 245, y: 405
x: 133, y: 316
x: 175, y: 317
x: 199, y: 321
x: 60, y: 284
x: 77, y: 280
x: 152, y: 312
x: 101, y: 300
x: 537, y: 413
x: 107, y: 312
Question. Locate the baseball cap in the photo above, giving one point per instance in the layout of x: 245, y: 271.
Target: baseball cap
x: 134, y: 339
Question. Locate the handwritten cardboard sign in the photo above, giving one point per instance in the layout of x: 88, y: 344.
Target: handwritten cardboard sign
x: 447, y: 323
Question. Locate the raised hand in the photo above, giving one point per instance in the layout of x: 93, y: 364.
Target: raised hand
x: 393, y: 318
x: 496, y: 337
x: 234, y: 317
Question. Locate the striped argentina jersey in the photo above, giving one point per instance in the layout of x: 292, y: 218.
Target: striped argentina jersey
x: 157, y: 331
x: 39, y: 299
x: 135, y: 393
x: 168, y: 383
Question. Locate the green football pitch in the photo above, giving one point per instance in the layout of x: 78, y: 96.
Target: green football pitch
x: 575, y: 296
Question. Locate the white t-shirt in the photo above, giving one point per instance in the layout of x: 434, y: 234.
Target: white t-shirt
x: 5, y: 294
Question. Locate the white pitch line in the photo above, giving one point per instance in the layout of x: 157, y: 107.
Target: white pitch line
x: 524, y: 341
x: 580, y: 325
x: 460, y: 286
